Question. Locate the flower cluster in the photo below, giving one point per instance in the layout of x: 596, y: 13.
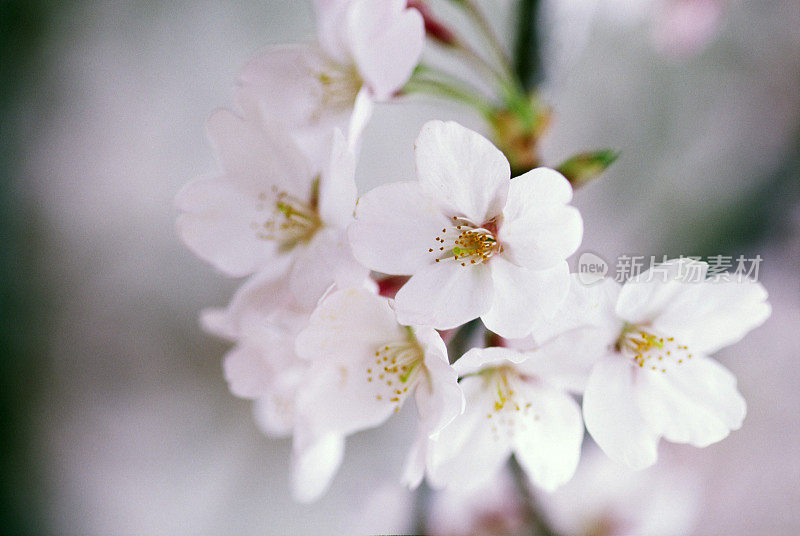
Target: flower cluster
x: 350, y: 300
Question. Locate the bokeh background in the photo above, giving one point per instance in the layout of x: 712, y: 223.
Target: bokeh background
x: 115, y: 417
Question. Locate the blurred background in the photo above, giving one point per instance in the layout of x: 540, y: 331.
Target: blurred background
x: 115, y: 416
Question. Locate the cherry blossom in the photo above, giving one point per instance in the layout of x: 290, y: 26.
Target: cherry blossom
x: 645, y: 347
x: 476, y: 243
x: 268, y: 211
x: 510, y: 408
x: 263, y: 319
x: 366, y: 51
x: 364, y: 365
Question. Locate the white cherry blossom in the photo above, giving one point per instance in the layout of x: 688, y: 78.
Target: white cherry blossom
x: 476, y: 242
x: 510, y: 408
x: 269, y: 212
x: 366, y: 51
x: 263, y: 319
x: 645, y: 347
x: 364, y: 365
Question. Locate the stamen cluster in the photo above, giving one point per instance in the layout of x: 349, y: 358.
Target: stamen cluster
x: 466, y: 243
x: 292, y: 221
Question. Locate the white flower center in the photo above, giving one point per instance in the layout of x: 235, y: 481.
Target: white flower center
x: 650, y: 350
x: 337, y: 88
x: 509, y: 410
x: 290, y: 222
x: 397, y: 368
x: 466, y: 243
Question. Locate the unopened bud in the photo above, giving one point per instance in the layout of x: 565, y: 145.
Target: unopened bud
x: 583, y: 167
x: 517, y: 134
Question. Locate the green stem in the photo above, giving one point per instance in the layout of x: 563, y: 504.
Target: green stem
x: 476, y: 14
x: 466, y: 51
x: 428, y: 72
x: 443, y: 89
x: 527, y: 50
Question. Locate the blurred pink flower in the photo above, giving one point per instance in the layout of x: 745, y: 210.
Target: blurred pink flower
x: 366, y: 51
x: 684, y: 27
x: 607, y: 499
x: 269, y: 211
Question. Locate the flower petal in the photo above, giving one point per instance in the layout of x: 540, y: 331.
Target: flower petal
x: 696, y: 402
x: 414, y: 466
x: 344, y: 332
x: 256, y: 154
x: 444, y: 295
x: 714, y: 314
x: 331, y: 19
x: 337, y: 186
x: 644, y: 297
x: 522, y: 297
x: 248, y: 371
x: 613, y: 418
x: 395, y: 226
x: 547, y: 440
x: 315, y: 461
x: 466, y: 455
x: 478, y: 359
x: 386, y: 43
x: 439, y: 398
x: 263, y: 299
x: 585, y: 306
x: 462, y: 171
x: 336, y: 398
x: 216, y: 226
x: 275, y: 413
x: 346, y: 324
x: 567, y: 361
x: 326, y: 260
x: 539, y: 230
x: 362, y: 113
x: 285, y: 83
x: 537, y: 187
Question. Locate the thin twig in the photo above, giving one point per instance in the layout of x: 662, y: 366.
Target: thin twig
x: 527, y: 50
x: 442, y: 89
x: 534, y: 517
x: 475, y: 12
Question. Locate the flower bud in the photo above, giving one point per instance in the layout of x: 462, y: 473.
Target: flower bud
x: 583, y: 167
x: 517, y: 132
